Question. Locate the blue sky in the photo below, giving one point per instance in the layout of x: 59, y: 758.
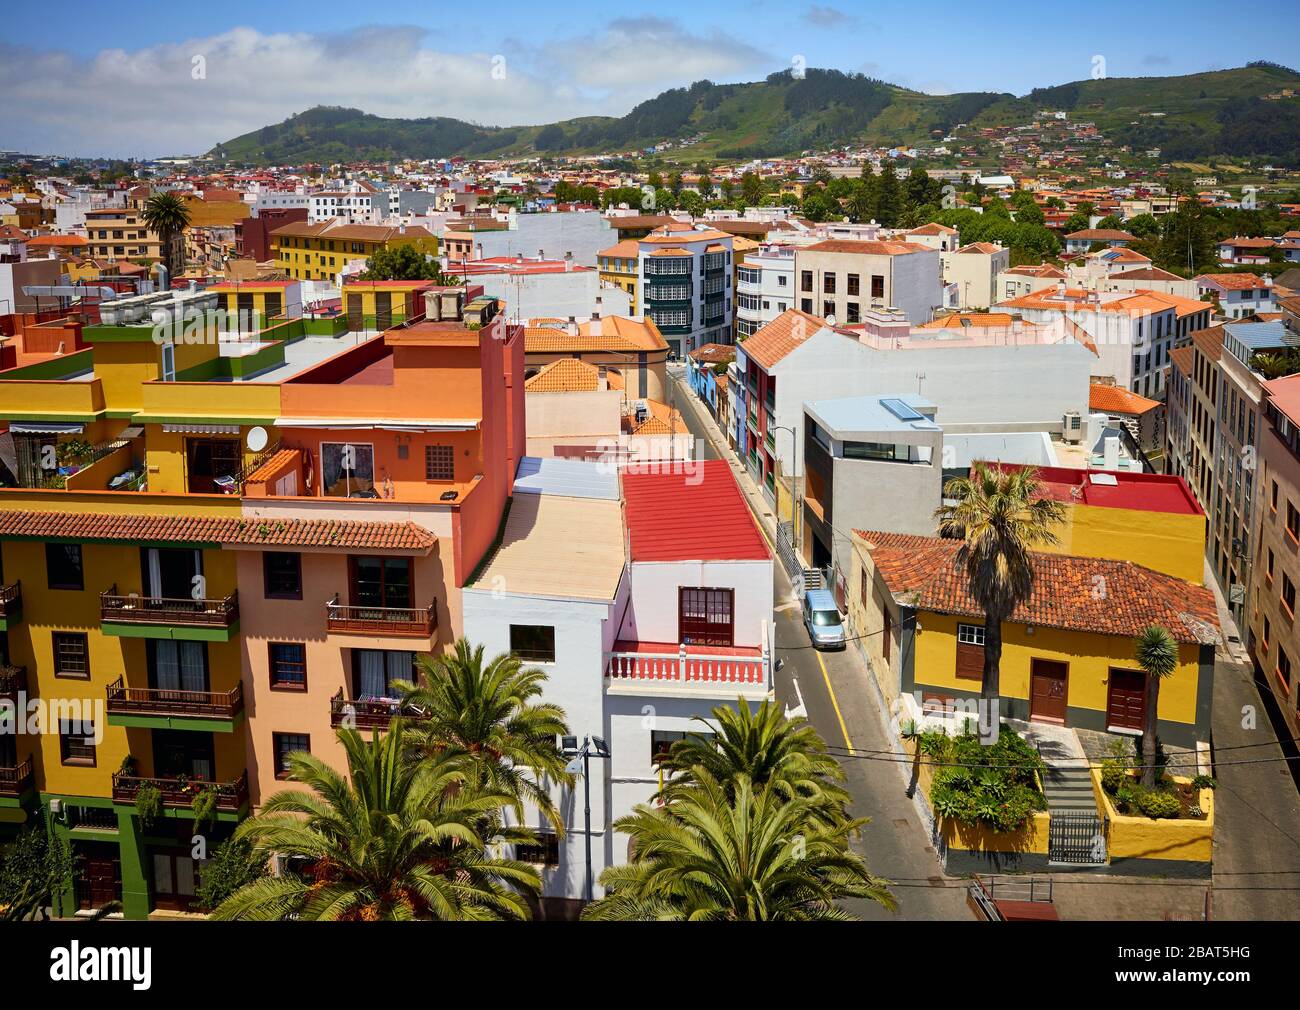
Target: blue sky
x: 94, y: 80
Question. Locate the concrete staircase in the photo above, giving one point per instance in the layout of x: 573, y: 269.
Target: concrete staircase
x: 1068, y: 788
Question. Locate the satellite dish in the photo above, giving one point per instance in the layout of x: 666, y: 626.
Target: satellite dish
x: 257, y: 439
x: 830, y: 320
x: 574, y: 767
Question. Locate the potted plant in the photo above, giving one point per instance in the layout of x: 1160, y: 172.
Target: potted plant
x: 148, y: 803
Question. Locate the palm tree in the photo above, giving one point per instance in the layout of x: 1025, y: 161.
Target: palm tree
x: 166, y: 215
x: 396, y: 842
x: 1000, y: 515
x: 730, y: 852
x: 489, y: 716
x: 768, y: 748
x: 1157, y: 654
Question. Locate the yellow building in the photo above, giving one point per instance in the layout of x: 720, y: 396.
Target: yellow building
x: 1067, y: 652
x: 618, y: 266
x: 320, y: 251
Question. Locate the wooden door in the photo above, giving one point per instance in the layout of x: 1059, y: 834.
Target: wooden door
x: 1048, y: 690
x: 383, y: 310
x: 356, y: 321
x: 705, y: 616
x: 1126, y: 699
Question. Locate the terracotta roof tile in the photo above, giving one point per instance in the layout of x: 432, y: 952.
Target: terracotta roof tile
x: 1118, y: 400
x: 781, y: 336
x: 225, y: 531
x: 565, y: 375
x: 924, y: 572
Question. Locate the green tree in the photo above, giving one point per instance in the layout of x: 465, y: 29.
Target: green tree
x: 232, y: 865
x: 34, y: 868
x: 1000, y: 516
x: 1075, y: 222
x: 392, y: 840
x: 730, y: 851
x: 490, y: 716
x: 1143, y: 226
x: 166, y: 215
x: 770, y: 749
x: 1157, y: 654
x: 402, y: 263
x: 752, y: 188
x: 889, y: 201
x: 691, y: 202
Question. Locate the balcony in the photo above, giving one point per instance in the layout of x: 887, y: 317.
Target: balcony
x: 11, y: 605
x: 13, y: 681
x: 403, y: 622
x: 17, y: 781
x: 153, y: 708
x: 366, y: 713
x: 665, y: 669
x: 178, y: 794
x: 199, y: 620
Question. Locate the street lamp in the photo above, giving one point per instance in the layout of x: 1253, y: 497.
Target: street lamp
x: 579, y: 764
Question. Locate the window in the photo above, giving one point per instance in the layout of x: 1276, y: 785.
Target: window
x: 63, y: 566
x: 1264, y: 637
x: 854, y: 313
x: 1273, y: 499
x: 877, y: 286
x: 1292, y: 522
x: 347, y: 469
x: 77, y: 742
x: 886, y: 635
x: 854, y: 284
x: 828, y: 284
x: 533, y: 643
x: 970, y: 634
x: 1284, y: 669
x: 805, y: 305
x: 439, y: 462
x: 661, y: 741
x: 1288, y: 595
x: 375, y: 670
x: 805, y: 280
x: 381, y: 582
x: 285, y: 744
x: 71, y: 655
x: 283, y: 575
x: 705, y: 616
x: 1270, y: 564
x: 543, y: 852
x: 288, y: 665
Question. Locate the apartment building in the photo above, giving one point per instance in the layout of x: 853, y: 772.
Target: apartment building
x: 1238, y: 294
x: 972, y: 272
x: 655, y: 611
x: 765, y: 288
x: 845, y: 278
x: 306, y: 251
x: 685, y: 282
x: 536, y: 287
x: 356, y: 202
x: 119, y: 233
x: 219, y: 548
x: 1274, y: 642
x: 619, y: 267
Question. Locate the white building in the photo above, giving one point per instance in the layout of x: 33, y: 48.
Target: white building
x: 973, y: 270
x: 640, y: 634
x: 846, y: 279
x: 684, y: 286
x: 538, y: 288
x: 764, y: 287
x: 357, y: 202
x: 1239, y: 294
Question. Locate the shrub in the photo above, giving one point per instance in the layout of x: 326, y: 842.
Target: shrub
x: 231, y: 867
x: 1157, y: 803
x: 1204, y: 782
x: 990, y: 784
x: 148, y: 803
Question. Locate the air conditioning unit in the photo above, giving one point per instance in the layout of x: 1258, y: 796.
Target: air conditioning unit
x: 1072, y: 426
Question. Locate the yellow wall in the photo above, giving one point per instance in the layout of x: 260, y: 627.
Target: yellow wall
x: 46, y: 611
x: 1166, y: 542
x: 1089, y: 656
x: 1148, y: 838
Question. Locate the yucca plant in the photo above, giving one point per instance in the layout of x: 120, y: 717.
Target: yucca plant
x: 1157, y: 654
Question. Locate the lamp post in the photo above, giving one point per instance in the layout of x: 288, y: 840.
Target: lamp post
x: 569, y: 748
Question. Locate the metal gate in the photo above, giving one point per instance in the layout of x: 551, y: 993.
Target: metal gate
x: 1076, y: 838
x: 785, y: 549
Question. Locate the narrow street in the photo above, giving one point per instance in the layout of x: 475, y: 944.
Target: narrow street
x: 833, y: 691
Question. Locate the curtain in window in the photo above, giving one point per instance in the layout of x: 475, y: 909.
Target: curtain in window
x: 370, y: 668
x: 399, y: 668
x: 191, y: 660
x: 167, y: 666
x: 179, y: 666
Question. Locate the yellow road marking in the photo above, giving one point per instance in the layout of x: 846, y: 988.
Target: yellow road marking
x: 834, y: 703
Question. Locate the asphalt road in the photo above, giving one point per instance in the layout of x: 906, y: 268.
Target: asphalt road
x: 832, y: 690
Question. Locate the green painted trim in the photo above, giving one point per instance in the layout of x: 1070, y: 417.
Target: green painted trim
x: 127, y: 809
x: 11, y: 802
x: 131, y: 630
x: 136, y: 898
x: 77, y: 801
x: 92, y: 834
x: 14, y: 618
x: 120, y: 415
x: 55, y: 368
x: 199, y: 724
x: 40, y: 415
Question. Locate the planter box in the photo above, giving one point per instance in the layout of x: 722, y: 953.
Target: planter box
x: 1171, y: 847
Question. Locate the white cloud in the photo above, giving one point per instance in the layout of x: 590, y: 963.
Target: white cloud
x: 148, y: 102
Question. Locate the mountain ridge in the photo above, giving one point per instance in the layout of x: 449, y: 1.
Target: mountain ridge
x: 784, y: 115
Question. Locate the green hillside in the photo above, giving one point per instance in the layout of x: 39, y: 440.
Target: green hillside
x: 1221, y: 112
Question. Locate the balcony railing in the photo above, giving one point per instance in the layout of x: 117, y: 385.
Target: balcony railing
x: 366, y: 713
x: 180, y: 792
x: 16, y: 780
x: 415, y: 621
x: 691, y: 670
x: 13, y: 681
x: 123, y: 700
x: 216, y: 613
x: 11, y: 600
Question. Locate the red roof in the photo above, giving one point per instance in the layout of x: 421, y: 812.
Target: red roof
x: 1144, y: 492
x: 693, y: 513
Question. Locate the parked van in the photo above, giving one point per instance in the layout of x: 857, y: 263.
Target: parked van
x: 822, y: 619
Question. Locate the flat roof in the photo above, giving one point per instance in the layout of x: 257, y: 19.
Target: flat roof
x: 1121, y: 489
x: 850, y: 415
x: 570, y: 478
x: 1029, y: 448
x: 692, y: 512
x: 570, y: 548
